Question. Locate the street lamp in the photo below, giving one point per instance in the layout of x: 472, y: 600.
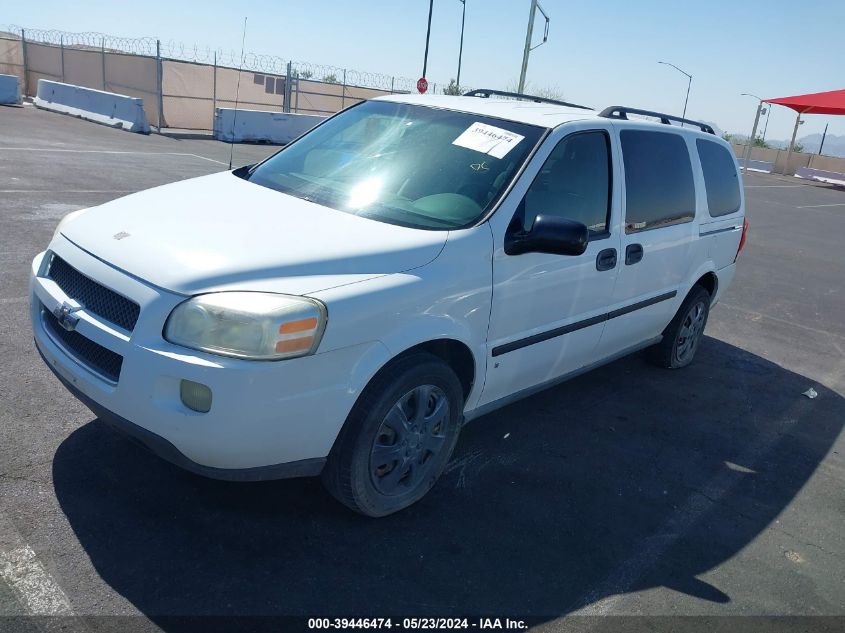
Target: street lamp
x: 528, y: 48
x: 461, y: 50
x: 746, y: 155
x: 689, y: 85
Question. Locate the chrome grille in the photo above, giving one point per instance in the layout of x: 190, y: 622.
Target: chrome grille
x: 94, y: 297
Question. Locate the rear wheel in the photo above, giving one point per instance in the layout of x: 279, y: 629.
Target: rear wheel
x: 683, y: 334
x: 398, y: 437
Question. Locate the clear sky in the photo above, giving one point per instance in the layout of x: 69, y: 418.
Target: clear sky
x: 598, y: 53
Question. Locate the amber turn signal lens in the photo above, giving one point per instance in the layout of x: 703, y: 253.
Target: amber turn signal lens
x: 298, y: 326
x: 294, y: 344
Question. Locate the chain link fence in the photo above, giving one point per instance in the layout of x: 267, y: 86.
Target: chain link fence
x: 183, y: 85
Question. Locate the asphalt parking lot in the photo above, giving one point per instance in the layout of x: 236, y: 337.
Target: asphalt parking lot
x: 716, y: 490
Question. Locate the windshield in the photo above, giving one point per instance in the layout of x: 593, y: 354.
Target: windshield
x: 404, y: 164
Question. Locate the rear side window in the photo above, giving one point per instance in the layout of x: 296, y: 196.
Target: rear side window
x: 720, y: 177
x: 658, y: 180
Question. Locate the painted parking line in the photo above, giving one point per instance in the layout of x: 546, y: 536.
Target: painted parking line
x: 774, y: 186
x: 36, y: 590
x: 107, y: 151
x: 819, y: 206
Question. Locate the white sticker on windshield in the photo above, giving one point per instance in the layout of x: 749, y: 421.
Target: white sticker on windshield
x: 488, y: 139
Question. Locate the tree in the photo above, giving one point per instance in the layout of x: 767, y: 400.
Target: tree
x: 797, y: 147
x: 452, y: 89
x: 306, y: 74
x: 760, y: 142
x: 728, y: 137
x: 330, y: 79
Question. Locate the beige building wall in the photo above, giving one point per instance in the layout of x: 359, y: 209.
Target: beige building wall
x: 11, y: 58
x: 190, y: 91
x: 83, y: 68
x: 42, y: 62
x: 796, y: 162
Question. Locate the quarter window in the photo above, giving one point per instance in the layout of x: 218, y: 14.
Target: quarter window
x: 720, y: 178
x: 659, y: 188
x: 574, y: 182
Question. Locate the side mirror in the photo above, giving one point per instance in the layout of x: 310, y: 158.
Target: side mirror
x: 549, y: 234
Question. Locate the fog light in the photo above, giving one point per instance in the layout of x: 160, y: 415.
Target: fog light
x: 195, y: 396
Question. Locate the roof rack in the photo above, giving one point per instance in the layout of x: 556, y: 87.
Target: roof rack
x: 622, y: 112
x: 486, y: 92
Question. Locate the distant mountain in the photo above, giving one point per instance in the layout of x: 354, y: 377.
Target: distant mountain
x: 833, y: 145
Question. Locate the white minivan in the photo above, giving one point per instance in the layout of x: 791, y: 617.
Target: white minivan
x: 345, y: 306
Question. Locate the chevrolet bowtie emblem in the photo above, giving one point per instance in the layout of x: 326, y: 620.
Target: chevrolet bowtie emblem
x: 64, y: 315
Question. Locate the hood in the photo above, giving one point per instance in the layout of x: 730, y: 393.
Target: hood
x: 221, y: 232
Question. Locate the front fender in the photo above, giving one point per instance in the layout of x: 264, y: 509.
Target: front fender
x: 449, y: 298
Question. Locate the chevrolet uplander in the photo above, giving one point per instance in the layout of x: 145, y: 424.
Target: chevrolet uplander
x: 343, y: 307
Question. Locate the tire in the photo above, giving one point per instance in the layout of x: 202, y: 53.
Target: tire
x: 398, y: 437
x: 683, y: 334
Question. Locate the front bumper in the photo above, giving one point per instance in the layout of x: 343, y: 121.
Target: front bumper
x: 167, y: 451
x: 267, y: 419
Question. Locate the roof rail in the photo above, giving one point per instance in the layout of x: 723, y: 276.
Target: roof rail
x: 486, y: 92
x: 622, y: 112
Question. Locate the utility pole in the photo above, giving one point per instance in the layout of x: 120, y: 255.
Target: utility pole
x: 528, y: 48
x: 798, y: 122
x: 428, y: 36
x: 461, y: 49
x: 746, y: 155
x: 768, y: 114
x: 823, y: 137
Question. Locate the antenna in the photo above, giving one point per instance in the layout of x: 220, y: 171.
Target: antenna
x: 237, y: 97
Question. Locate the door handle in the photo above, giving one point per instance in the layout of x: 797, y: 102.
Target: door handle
x: 633, y: 253
x: 606, y: 259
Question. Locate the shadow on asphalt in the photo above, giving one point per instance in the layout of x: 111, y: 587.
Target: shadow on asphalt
x: 625, y: 478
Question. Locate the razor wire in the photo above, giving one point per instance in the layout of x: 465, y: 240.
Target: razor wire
x: 88, y: 39
x: 254, y: 62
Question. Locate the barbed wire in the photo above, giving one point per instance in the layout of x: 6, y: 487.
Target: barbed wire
x: 88, y: 39
x: 262, y: 63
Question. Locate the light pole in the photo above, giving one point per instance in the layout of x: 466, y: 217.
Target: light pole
x: 427, y: 36
x: 689, y: 85
x: 528, y: 48
x: 461, y: 49
x: 746, y: 155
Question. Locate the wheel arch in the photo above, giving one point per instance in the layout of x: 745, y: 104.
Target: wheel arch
x: 456, y: 353
x: 710, y: 281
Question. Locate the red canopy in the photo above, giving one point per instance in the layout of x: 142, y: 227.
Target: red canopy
x: 832, y: 102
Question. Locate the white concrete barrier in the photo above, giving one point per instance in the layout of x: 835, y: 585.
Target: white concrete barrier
x: 757, y: 165
x: 259, y: 125
x: 108, y: 108
x: 10, y: 89
x: 821, y: 175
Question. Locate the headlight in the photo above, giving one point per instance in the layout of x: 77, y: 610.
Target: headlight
x: 255, y: 325
x: 70, y: 216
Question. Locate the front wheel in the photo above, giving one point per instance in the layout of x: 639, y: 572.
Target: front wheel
x: 398, y: 437
x: 683, y: 334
